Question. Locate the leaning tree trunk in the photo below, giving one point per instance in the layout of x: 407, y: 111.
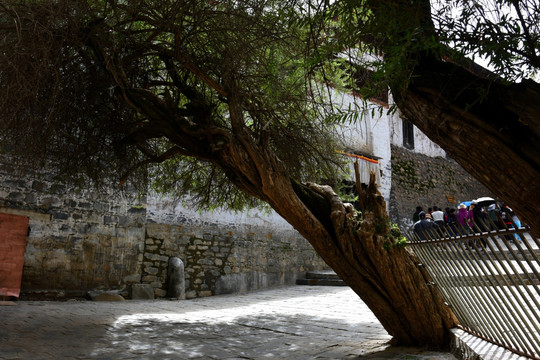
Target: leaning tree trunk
x: 361, y: 250
x: 386, y: 276
x: 491, y: 129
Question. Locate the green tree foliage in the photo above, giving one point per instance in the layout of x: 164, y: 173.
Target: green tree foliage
x: 107, y: 88
x: 503, y: 35
x: 487, y: 118
x: 75, y: 75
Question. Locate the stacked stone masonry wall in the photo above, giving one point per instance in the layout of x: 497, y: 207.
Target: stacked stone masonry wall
x: 82, y: 241
x: 218, y: 260
x: 78, y: 240
x: 420, y: 180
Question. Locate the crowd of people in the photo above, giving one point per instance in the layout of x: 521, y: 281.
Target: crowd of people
x: 465, y: 219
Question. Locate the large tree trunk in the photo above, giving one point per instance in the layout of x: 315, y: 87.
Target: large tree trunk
x: 362, y: 252
x: 491, y: 129
x: 387, y: 277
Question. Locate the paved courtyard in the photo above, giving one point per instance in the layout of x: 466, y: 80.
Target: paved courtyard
x: 297, y: 322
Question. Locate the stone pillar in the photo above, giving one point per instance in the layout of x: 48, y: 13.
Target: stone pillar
x: 176, y: 284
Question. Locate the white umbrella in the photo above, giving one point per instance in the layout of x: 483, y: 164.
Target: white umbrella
x: 485, y: 201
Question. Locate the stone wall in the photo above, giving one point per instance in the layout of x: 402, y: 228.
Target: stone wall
x: 420, y: 180
x: 78, y: 240
x: 82, y: 241
x: 223, y: 251
x: 223, y: 260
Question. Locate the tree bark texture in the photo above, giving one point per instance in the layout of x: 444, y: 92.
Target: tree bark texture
x: 491, y: 129
x: 388, y: 278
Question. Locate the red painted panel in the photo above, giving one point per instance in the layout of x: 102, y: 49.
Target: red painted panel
x: 13, y: 231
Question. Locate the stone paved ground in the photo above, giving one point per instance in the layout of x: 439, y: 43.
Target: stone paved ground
x: 298, y: 322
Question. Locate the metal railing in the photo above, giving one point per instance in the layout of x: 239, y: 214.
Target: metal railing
x: 490, y: 278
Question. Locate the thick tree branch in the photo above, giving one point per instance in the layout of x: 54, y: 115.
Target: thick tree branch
x: 491, y: 129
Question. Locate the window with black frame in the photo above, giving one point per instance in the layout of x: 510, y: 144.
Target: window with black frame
x: 408, y: 134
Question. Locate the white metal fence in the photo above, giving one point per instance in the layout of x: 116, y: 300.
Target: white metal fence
x: 490, y: 278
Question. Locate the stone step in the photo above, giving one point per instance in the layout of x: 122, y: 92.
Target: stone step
x: 321, y: 278
x: 322, y: 275
x: 320, y: 282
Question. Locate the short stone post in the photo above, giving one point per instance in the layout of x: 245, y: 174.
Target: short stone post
x: 176, y: 283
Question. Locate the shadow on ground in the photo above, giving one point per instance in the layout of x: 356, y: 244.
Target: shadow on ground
x: 289, y: 323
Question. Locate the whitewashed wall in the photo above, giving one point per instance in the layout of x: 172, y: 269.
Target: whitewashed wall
x: 422, y: 144
x: 164, y: 210
x: 381, y: 130
x: 371, y: 135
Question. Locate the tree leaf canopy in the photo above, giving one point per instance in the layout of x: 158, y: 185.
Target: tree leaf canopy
x: 107, y: 88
